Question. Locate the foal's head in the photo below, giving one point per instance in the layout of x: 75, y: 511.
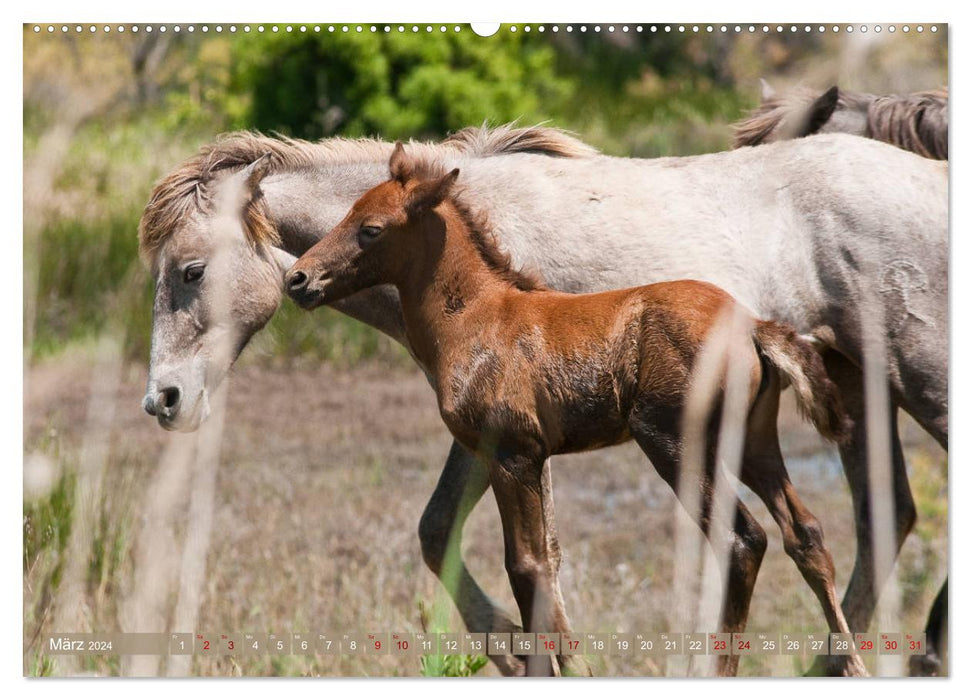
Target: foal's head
x: 373, y: 242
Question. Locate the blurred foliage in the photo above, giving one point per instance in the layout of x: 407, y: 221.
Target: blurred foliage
x: 134, y: 105
x: 88, y: 279
x: 397, y: 85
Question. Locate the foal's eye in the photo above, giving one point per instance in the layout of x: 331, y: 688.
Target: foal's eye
x: 368, y: 234
x: 193, y: 273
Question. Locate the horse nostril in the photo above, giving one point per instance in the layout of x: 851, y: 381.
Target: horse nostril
x: 148, y: 403
x: 169, y: 398
x: 297, y: 280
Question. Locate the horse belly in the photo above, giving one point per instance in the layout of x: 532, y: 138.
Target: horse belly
x: 591, y: 424
x: 585, y: 407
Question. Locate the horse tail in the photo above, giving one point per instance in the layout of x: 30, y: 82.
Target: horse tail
x: 799, y: 364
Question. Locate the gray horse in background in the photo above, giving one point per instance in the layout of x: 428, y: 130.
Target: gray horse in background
x: 804, y: 232
x: 916, y: 122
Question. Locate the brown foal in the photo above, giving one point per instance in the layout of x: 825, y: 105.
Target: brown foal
x: 523, y: 372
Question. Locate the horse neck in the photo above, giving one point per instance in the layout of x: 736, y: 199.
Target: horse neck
x: 442, y: 275
x: 305, y: 204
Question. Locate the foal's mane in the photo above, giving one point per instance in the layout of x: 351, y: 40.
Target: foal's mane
x: 916, y: 122
x: 495, y: 258
x: 187, y: 190
x: 480, y: 232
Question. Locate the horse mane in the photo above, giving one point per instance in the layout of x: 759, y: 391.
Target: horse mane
x: 916, y: 122
x: 480, y: 233
x: 485, y: 141
x: 763, y: 120
x: 186, y: 190
x: 488, y: 248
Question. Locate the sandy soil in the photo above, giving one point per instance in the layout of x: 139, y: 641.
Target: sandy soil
x: 323, y: 476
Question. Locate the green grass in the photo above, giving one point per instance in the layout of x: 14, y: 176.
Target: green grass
x: 452, y: 665
x: 89, y: 276
x: 325, y: 335
x: 46, y: 531
x: 89, y: 280
x: 47, y: 528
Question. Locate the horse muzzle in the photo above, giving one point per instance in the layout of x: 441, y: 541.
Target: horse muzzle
x: 163, y: 404
x: 306, y: 291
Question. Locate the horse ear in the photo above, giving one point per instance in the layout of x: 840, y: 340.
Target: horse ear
x: 428, y: 195
x: 254, y: 173
x: 283, y: 260
x: 767, y: 92
x: 400, y: 165
x: 821, y: 110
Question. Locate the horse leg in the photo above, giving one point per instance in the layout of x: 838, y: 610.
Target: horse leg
x: 934, y: 661
x: 803, y: 541
x: 860, y: 599
x: 928, y: 406
x: 532, y: 550
x: 576, y: 664
x: 463, y: 482
x: 746, y: 538
x: 917, y: 358
x: 764, y: 471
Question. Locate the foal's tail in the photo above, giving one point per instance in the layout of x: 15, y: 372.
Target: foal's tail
x: 799, y: 364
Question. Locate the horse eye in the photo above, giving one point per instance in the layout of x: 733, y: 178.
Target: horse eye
x: 193, y: 273
x: 368, y: 234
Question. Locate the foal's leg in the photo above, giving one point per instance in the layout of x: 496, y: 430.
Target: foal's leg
x: 764, y: 471
x: 463, y: 482
x: 532, y: 550
x: 746, y: 537
x: 860, y: 599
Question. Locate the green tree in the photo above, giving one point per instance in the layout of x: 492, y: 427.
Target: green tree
x: 398, y: 85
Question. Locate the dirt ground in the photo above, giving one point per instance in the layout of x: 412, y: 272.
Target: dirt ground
x: 322, y: 477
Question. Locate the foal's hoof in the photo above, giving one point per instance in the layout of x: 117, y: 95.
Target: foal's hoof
x: 855, y: 667
x: 510, y: 665
x: 551, y: 666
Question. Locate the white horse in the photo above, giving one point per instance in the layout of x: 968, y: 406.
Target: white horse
x: 823, y: 233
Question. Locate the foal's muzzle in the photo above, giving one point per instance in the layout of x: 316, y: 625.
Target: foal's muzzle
x: 305, y: 290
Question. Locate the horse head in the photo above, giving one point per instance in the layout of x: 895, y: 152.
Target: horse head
x: 218, y: 280
x: 802, y: 112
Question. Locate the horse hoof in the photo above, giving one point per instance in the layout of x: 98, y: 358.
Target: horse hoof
x: 926, y: 666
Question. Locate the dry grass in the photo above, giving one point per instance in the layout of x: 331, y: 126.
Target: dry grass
x: 322, y: 477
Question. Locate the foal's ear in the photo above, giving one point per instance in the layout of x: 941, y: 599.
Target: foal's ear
x: 401, y: 166
x: 429, y: 194
x: 821, y: 110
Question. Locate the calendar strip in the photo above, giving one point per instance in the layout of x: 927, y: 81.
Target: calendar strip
x: 499, y: 643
